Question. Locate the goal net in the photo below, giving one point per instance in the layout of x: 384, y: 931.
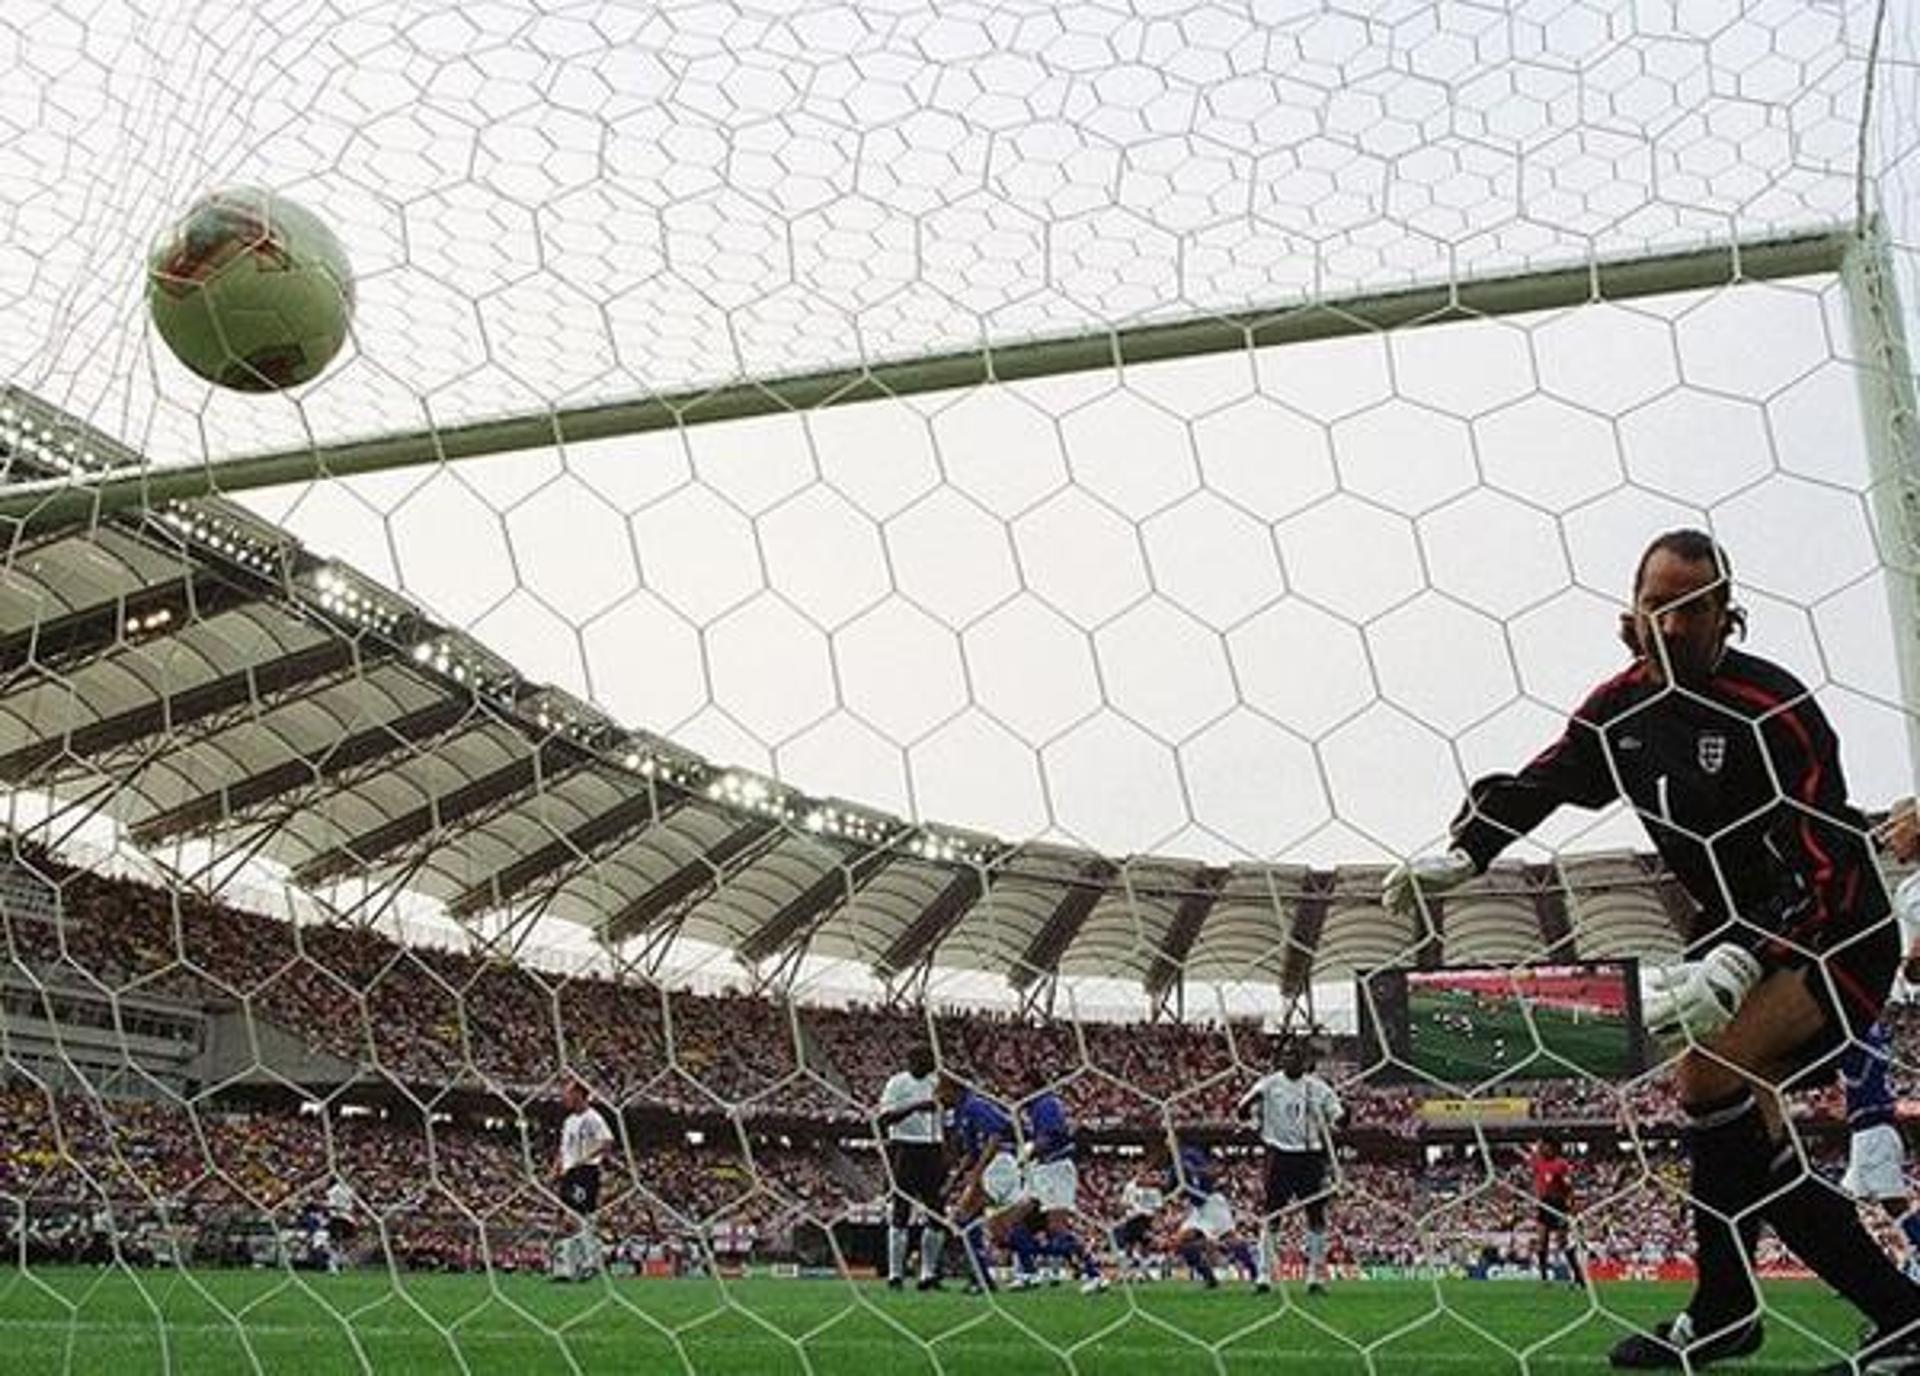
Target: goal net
x: 846, y: 529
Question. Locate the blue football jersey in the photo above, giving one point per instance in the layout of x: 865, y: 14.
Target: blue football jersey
x: 1866, y: 1068
x: 1049, y: 1130
x: 980, y: 1124
x: 1192, y: 1177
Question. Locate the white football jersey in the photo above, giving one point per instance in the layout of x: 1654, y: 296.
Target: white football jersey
x: 903, y: 1089
x: 1141, y: 1200
x: 1295, y: 1115
x: 582, y: 1136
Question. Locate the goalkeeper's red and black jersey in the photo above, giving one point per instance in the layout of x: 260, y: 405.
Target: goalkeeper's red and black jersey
x: 1739, y: 786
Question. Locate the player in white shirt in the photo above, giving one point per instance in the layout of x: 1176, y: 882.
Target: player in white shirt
x: 585, y: 1143
x: 909, y: 1117
x: 340, y: 1224
x: 1876, y: 1150
x: 1295, y: 1111
x: 1142, y: 1200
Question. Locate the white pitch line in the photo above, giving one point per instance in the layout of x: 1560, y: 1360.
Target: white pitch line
x: 585, y: 1338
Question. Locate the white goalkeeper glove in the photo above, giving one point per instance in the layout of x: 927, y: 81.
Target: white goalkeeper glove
x: 1428, y: 874
x: 1691, y: 1000
x: 1906, y: 909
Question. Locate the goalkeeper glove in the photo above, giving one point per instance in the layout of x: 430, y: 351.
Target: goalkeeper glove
x: 1906, y: 909
x: 1426, y: 874
x: 1693, y: 999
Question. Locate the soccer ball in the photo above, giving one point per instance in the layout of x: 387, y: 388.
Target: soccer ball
x: 250, y: 290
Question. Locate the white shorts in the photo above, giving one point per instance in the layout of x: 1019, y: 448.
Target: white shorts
x: 1212, y: 1218
x: 1054, y: 1185
x: 1003, y: 1182
x: 1876, y: 1164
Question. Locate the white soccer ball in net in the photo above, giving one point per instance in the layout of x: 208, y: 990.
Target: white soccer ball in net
x: 251, y: 290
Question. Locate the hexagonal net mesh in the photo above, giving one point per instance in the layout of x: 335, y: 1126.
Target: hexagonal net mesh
x: 845, y: 533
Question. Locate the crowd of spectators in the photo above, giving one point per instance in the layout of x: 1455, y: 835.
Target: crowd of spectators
x: 439, y: 1193
x: 744, y: 1114
x: 159, y: 1181
x: 434, y: 1017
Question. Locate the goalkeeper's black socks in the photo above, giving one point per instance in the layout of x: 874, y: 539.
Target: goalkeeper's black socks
x: 1730, y: 1151
x: 1735, y: 1165
x: 1825, y: 1231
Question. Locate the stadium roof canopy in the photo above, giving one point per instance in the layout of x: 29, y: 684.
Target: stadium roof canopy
x: 198, y: 674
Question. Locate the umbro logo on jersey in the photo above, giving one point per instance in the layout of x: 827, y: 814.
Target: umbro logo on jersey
x: 1712, y: 751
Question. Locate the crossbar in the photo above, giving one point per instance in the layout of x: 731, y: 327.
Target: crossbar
x: 102, y: 492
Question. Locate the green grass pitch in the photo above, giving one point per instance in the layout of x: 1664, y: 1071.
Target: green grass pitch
x: 1597, y: 1044
x: 209, y: 1323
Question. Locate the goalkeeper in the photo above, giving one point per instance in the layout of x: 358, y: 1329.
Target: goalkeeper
x: 1736, y: 776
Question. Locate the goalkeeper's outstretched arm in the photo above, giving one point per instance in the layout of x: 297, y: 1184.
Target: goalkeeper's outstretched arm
x: 1502, y: 807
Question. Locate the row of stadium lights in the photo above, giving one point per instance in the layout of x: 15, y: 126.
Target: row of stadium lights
x: 444, y: 656
x: 341, y: 598
x: 42, y: 443
x: 222, y: 540
x: 18, y: 433
x: 758, y: 795
x: 589, y: 728
x: 338, y: 596
x: 152, y: 621
x: 45, y: 445
x: 649, y: 767
x: 21, y: 432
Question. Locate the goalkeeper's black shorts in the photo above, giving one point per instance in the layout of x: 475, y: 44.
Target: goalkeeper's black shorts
x: 1851, y: 979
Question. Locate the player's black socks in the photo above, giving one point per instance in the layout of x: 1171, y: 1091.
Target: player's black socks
x: 1729, y: 1150
x: 1825, y: 1232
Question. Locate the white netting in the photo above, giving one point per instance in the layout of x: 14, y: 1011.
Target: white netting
x: 719, y: 765
x: 581, y: 202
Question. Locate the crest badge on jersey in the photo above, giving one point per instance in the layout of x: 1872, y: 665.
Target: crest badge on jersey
x: 1712, y: 751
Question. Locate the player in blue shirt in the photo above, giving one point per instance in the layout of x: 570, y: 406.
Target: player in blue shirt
x: 989, y: 1172
x: 1876, y: 1156
x: 1192, y: 1179
x: 1053, y: 1186
x: 981, y: 1124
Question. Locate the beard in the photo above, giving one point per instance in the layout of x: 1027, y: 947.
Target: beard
x: 1684, y: 664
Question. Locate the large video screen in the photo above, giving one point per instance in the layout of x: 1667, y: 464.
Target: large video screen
x: 1469, y: 1025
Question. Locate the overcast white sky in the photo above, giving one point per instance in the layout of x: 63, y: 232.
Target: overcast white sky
x: 1224, y: 611
x: 1272, y: 607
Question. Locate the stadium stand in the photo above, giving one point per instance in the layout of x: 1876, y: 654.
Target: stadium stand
x: 186, y: 1080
